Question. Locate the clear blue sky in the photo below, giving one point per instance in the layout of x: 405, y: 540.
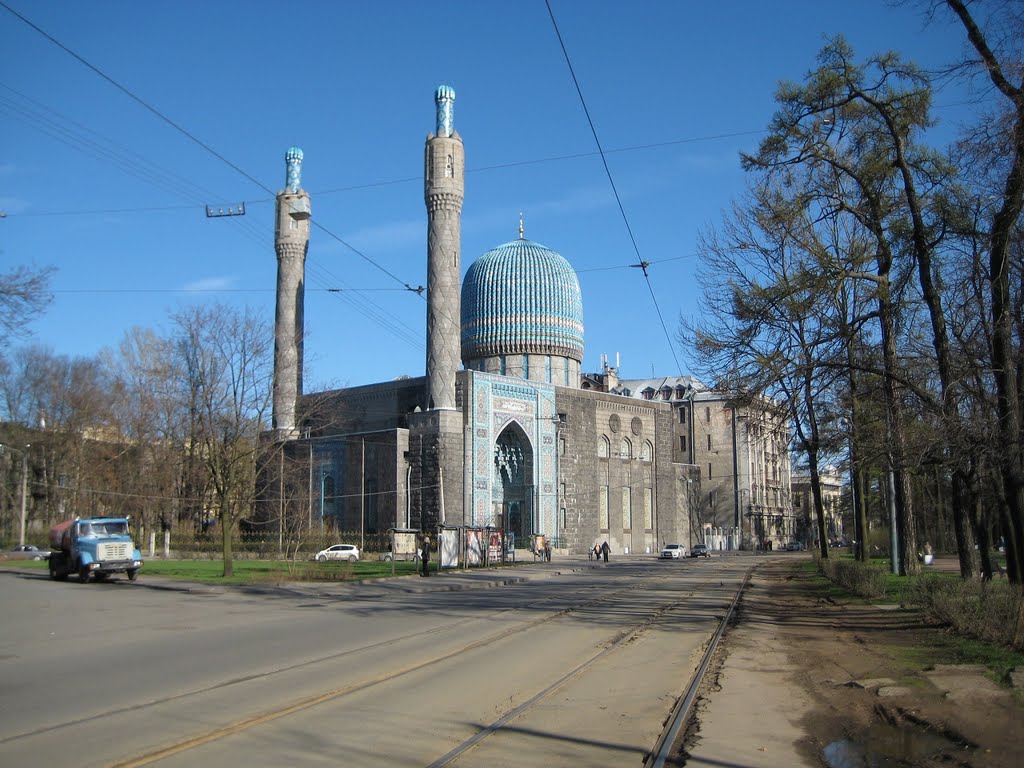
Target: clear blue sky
x: 97, y: 186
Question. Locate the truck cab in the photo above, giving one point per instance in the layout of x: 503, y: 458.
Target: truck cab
x: 94, y: 547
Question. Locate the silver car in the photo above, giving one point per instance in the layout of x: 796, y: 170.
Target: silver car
x: 348, y: 552
x: 673, y: 552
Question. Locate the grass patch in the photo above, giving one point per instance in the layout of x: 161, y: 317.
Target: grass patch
x: 256, y: 571
x: 949, y: 648
x: 248, y: 571
x: 274, y: 571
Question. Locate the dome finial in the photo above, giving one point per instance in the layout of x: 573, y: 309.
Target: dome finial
x: 520, y: 225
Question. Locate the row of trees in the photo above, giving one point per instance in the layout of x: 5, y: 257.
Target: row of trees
x: 165, y: 429
x: 874, y: 284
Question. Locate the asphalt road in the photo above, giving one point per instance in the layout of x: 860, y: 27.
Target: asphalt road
x: 578, y: 668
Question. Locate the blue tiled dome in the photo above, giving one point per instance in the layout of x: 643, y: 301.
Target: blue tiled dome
x: 521, y: 298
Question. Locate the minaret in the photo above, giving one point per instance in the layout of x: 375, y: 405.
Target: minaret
x: 444, y: 183
x: 291, y: 241
x: 436, y: 437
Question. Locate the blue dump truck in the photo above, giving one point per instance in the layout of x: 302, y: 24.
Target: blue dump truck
x: 95, y: 547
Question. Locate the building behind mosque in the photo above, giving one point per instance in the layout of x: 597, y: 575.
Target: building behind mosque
x: 504, y: 431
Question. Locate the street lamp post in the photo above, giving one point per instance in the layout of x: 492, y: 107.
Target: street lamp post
x: 323, y: 484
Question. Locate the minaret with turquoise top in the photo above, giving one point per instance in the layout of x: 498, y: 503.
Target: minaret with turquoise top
x: 444, y: 184
x: 436, y: 441
x: 291, y: 241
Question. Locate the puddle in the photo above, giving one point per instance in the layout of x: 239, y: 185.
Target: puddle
x: 882, y: 745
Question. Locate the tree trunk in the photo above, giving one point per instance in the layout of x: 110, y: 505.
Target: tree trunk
x: 226, y: 543
x: 964, y: 500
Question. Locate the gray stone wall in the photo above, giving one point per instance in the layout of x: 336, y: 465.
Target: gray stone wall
x: 645, y: 473
x: 437, y: 480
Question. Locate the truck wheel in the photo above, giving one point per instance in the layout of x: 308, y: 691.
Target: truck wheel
x: 133, y: 574
x: 83, y: 574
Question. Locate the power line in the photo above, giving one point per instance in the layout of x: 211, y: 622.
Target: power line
x: 407, y: 180
x: 183, y: 131
x: 641, y: 264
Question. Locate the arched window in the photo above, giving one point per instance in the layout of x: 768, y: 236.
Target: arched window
x: 602, y: 447
x: 646, y: 451
x: 625, y: 449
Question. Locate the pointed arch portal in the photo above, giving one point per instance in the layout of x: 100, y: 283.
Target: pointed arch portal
x: 514, y: 482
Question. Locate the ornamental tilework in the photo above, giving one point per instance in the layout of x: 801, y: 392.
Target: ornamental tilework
x: 521, y: 297
x: 497, y: 402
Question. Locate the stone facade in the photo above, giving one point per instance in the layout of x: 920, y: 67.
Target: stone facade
x: 515, y: 441
x: 831, y: 483
x: 740, y: 451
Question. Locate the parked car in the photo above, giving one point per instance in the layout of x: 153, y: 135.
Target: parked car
x: 700, y: 550
x: 348, y: 552
x: 795, y: 546
x: 31, y: 552
x: 673, y: 552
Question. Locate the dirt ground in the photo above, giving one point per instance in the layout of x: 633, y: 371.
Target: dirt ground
x: 803, y: 678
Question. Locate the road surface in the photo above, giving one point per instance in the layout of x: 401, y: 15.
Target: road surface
x: 578, y: 668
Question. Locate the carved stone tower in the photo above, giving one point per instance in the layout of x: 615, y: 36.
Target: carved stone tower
x: 444, y: 183
x: 436, y: 442
x: 291, y: 241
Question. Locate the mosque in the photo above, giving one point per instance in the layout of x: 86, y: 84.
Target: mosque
x: 504, y: 432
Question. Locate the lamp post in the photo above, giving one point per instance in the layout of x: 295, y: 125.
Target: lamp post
x: 748, y: 514
x: 323, y: 484
x: 24, y: 488
x: 689, y: 511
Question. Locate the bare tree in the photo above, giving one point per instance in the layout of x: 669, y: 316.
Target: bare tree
x: 24, y: 294
x: 1002, y: 65
x: 228, y: 357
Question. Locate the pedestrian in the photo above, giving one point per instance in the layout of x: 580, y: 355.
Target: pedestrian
x: 547, y: 549
x: 605, y: 549
x: 425, y: 560
x: 590, y: 554
x: 597, y: 551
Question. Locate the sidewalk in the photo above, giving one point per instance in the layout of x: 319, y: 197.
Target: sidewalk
x: 803, y: 678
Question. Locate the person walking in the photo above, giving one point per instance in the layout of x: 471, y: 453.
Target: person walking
x: 605, y: 549
x: 425, y: 559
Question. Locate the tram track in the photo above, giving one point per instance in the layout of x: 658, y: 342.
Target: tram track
x: 327, y: 659
x: 613, y: 618
x: 335, y: 694
x: 680, y: 712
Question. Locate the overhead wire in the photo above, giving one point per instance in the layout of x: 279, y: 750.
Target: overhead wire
x: 641, y: 264
x: 90, y: 142
x: 254, y: 235
x: 193, y: 138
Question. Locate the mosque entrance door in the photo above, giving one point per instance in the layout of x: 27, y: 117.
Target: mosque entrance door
x: 513, y: 486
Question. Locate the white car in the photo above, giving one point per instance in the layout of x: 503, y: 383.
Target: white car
x: 348, y: 552
x: 673, y: 552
